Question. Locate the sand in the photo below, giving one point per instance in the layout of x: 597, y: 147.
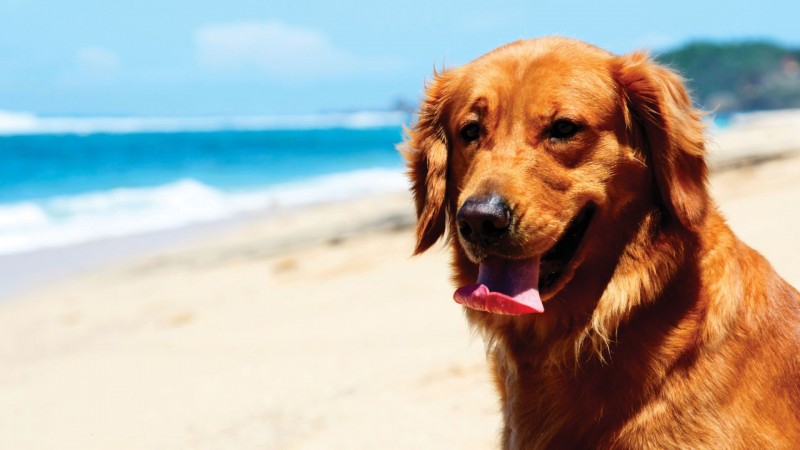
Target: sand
x: 311, y: 330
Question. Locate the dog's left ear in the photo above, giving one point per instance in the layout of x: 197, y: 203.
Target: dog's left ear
x: 426, y: 153
x: 659, y: 108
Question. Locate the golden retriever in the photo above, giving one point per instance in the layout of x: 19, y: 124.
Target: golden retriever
x: 619, y: 309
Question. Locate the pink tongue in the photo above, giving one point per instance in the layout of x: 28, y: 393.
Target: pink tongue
x: 504, y: 287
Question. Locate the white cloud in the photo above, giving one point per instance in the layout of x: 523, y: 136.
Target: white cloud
x: 97, y: 61
x: 277, y: 49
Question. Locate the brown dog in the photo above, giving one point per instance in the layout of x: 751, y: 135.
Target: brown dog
x: 573, y: 181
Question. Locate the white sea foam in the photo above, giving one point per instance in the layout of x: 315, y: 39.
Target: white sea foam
x: 67, y: 220
x: 24, y: 214
x: 16, y: 123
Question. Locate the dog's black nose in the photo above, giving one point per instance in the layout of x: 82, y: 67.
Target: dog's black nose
x: 483, y: 219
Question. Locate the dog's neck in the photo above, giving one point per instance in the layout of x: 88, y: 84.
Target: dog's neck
x: 651, y: 267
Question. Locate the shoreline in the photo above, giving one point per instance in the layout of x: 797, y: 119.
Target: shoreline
x: 28, y: 272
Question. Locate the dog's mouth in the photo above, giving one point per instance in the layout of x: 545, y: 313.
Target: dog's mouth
x: 556, y: 261
x: 516, y: 286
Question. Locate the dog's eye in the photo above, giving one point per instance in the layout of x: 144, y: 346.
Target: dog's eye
x: 471, y: 132
x: 563, y: 129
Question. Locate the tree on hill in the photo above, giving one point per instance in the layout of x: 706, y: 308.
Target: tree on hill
x: 742, y: 76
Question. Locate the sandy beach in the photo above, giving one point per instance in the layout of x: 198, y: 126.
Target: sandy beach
x: 314, y: 329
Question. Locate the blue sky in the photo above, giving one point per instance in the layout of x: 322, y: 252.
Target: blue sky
x: 243, y: 57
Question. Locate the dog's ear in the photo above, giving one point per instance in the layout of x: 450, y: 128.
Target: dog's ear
x: 426, y: 153
x: 660, y: 117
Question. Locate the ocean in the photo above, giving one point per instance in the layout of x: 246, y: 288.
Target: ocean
x: 66, y: 181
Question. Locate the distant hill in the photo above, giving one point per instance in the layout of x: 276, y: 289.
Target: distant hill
x: 742, y: 76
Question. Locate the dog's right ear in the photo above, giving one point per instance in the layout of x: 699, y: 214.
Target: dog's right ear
x: 426, y: 151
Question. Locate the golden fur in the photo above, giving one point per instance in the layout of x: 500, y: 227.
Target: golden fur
x: 665, y: 331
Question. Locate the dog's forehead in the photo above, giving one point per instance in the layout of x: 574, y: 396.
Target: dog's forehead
x: 543, y: 70
x: 529, y: 51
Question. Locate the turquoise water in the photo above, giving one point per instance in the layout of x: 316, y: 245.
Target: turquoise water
x: 59, y: 187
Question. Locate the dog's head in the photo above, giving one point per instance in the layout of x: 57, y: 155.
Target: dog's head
x: 537, y: 155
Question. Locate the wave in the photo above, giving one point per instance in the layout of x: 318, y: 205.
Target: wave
x: 20, y: 123
x: 68, y: 220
